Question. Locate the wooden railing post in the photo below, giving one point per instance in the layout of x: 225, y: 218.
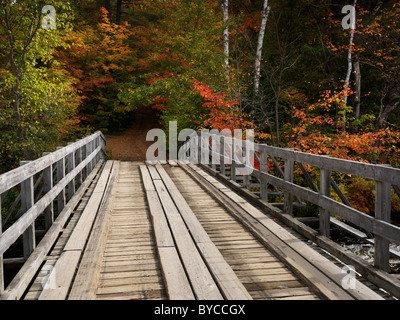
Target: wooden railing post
x: 71, y: 166
x: 88, y: 152
x: 288, y: 176
x: 263, y: 168
x: 233, y: 164
x: 222, y: 154
x: 94, y: 146
x: 246, y: 177
x: 27, y: 201
x: 103, y: 143
x: 382, y: 212
x: 78, y: 179
x: 60, y: 175
x: 325, y: 190
x: 47, y: 186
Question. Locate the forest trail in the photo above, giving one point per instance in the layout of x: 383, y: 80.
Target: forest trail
x: 131, y: 145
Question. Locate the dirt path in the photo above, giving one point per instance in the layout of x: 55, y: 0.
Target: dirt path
x: 131, y: 145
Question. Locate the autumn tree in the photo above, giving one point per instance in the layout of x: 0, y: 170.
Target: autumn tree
x: 37, y: 103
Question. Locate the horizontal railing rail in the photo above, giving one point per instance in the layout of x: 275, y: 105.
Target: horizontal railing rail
x: 41, y: 186
x: 275, y: 170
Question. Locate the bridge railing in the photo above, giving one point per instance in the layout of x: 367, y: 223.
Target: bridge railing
x: 285, y: 169
x: 43, y: 187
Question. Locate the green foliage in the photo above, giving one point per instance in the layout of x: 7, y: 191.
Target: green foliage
x: 37, y: 102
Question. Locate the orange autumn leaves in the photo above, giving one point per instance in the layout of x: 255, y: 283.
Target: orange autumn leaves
x: 318, y: 131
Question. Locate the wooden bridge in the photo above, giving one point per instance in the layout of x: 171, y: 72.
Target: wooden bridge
x: 79, y: 227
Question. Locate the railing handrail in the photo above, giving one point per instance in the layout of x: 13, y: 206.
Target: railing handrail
x: 73, y: 163
x: 371, y: 171
x: 383, y: 175
x: 14, y: 177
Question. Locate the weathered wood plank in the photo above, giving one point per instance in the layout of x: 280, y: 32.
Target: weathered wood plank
x: 176, y: 281
x: 86, y: 279
x: 81, y: 231
x: 58, y: 283
x: 227, y: 280
x: 200, y: 278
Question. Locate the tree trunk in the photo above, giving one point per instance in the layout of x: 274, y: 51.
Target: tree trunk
x: 264, y: 19
x: 225, y: 12
x: 357, y: 96
x: 119, y: 12
x: 390, y: 102
x: 349, y: 68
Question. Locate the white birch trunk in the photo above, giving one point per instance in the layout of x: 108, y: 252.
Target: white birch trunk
x: 225, y: 7
x: 349, y: 65
x: 264, y: 19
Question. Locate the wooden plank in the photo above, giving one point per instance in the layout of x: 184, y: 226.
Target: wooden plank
x: 131, y: 252
x: 227, y: 280
x: 58, y: 283
x: 146, y: 178
x: 86, y: 279
x: 324, y: 265
x: 80, y: 234
x: 160, y: 225
x: 21, y: 281
x: 176, y: 281
x: 248, y: 263
x: 177, y: 284
x: 348, y: 228
x: 200, y: 278
x: 172, y: 163
x: 153, y: 173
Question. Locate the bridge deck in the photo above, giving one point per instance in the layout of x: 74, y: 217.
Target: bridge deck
x: 174, y: 232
